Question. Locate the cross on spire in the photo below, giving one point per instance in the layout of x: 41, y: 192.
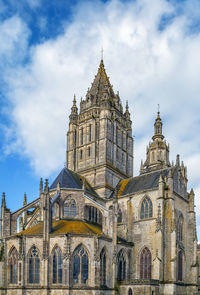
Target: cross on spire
x: 101, y: 53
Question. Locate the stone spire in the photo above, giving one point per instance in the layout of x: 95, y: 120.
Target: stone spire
x: 74, y: 111
x: 157, y: 155
x: 101, y: 88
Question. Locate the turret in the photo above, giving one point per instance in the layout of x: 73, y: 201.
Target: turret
x: 5, y: 218
x: 157, y: 154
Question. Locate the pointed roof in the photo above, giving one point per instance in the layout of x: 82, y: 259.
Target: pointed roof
x: 71, y: 180
x: 101, y: 83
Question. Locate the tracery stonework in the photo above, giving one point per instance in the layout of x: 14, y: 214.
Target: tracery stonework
x: 97, y: 229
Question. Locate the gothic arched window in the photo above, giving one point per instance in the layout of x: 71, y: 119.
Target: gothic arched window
x: 121, y: 267
x: 69, y: 208
x: 92, y: 214
x: 80, y: 266
x: 146, y: 208
x: 13, y: 261
x: 90, y: 132
x: 145, y: 264
x: 130, y: 292
x: 180, y: 228
x: 119, y: 216
x: 103, y: 268
x: 34, y: 266
x: 81, y: 135
x: 57, y: 266
x: 180, y: 266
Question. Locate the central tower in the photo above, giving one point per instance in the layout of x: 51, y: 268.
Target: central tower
x: 99, y: 139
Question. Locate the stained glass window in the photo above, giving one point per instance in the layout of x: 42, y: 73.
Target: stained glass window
x: 69, y: 208
x: 180, y: 228
x: 80, y: 266
x: 121, y: 268
x: 57, y: 266
x: 103, y: 268
x: 13, y: 261
x: 180, y: 266
x: 34, y: 266
x: 146, y: 208
x: 145, y: 264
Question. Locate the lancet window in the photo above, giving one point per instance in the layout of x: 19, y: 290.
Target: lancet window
x: 57, y: 266
x: 180, y: 228
x: 70, y: 208
x: 180, y: 265
x: 92, y: 214
x: 130, y: 292
x: 34, y: 266
x: 119, y: 216
x: 103, y: 268
x: 146, y: 208
x: 121, y: 267
x: 80, y: 266
x: 13, y: 261
x: 145, y: 264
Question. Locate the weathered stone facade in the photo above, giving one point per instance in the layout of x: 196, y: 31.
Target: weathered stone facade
x: 97, y: 229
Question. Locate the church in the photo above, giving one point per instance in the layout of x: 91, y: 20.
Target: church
x: 97, y: 229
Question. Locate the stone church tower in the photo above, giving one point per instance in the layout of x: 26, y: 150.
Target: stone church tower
x: 100, y: 142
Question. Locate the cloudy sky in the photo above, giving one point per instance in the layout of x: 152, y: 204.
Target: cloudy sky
x: 51, y: 49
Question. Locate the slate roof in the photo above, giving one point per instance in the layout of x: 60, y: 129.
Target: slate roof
x: 71, y: 180
x: 139, y: 183
x: 65, y: 226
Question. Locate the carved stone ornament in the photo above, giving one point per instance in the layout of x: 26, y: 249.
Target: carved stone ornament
x: 158, y: 220
x: 67, y: 251
x: 114, y: 260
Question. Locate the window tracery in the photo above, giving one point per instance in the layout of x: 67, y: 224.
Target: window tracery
x: 34, y: 266
x: 121, y: 268
x: 69, y: 208
x: 180, y: 228
x: 145, y: 264
x: 146, y: 209
x: 80, y: 266
x: 57, y: 266
x: 103, y: 268
x: 13, y: 262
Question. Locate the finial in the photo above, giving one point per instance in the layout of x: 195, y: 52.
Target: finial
x: 178, y: 160
x: 74, y: 98
x: 127, y: 105
x: 102, y: 53
x: 3, y: 203
x: 46, y: 185
x: 41, y: 185
x: 158, y: 113
x: 25, y: 200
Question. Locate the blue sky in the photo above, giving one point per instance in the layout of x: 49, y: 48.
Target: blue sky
x: 51, y: 50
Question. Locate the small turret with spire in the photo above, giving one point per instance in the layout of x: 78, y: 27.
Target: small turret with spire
x: 74, y: 111
x: 157, y: 154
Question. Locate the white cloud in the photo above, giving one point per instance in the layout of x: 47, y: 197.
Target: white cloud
x: 146, y: 65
